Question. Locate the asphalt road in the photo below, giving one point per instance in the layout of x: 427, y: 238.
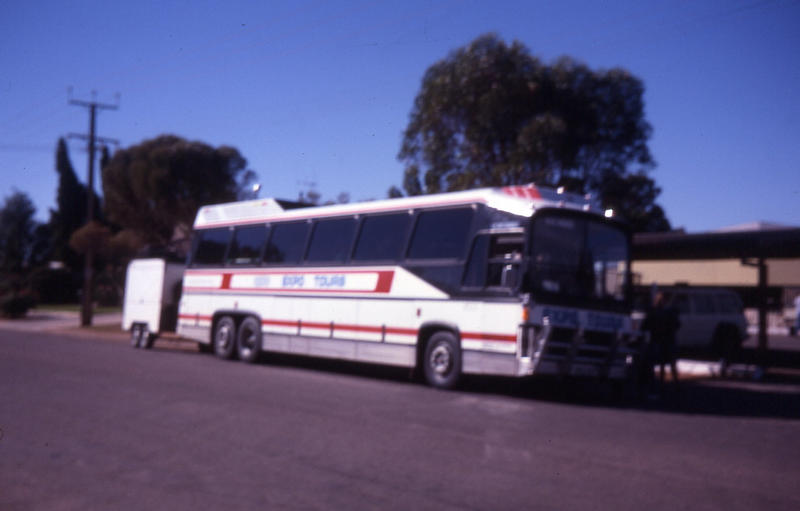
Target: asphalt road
x: 93, y: 424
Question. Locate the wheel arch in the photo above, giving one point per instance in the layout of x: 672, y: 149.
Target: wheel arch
x: 426, y: 331
x: 237, y: 314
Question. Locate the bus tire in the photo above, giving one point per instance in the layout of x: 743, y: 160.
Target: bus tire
x: 225, y: 338
x: 248, y: 340
x: 442, y: 360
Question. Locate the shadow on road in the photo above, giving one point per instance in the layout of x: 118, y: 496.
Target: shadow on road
x: 776, y: 395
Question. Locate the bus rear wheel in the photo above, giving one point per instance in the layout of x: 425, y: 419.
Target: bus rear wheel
x: 248, y: 340
x: 225, y: 338
x: 442, y: 360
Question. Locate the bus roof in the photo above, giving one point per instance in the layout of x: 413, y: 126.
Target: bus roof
x: 517, y: 200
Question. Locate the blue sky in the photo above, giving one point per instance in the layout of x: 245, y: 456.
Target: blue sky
x: 320, y: 92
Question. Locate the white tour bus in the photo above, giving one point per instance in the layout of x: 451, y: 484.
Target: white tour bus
x: 512, y: 281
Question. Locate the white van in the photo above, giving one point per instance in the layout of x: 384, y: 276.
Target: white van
x: 712, y: 320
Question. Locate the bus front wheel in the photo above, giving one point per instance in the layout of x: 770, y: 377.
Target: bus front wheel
x: 225, y: 338
x: 443, y: 360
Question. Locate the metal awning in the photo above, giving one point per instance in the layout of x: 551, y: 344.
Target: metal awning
x: 767, y: 244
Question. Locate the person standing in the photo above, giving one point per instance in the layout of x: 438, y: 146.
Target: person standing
x: 797, y: 314
x: 663, y: 323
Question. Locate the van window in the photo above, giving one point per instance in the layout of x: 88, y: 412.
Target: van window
x: 704, y: 303
x: 729, y: 303
x: 680, y: 301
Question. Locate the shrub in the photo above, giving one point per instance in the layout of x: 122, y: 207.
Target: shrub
x: 16, y: 306
x: 55, y: 285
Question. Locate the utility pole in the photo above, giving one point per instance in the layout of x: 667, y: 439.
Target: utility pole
x: 88, y: 278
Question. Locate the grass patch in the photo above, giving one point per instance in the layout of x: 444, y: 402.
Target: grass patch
x: 74, y: 307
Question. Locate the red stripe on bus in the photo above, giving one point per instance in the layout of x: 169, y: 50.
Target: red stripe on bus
x: 280, y: 271
x: 279, y: 322
x: 524, y: 192
x: 480, y: 336
x: 488, y: 337
x: 383, y: 283
x: 277, y: 290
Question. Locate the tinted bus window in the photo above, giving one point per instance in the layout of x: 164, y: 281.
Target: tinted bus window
x: 210, y: 246
x: 331, y: 240
x: 286, y: 243
x: 246, y: 244
x: 441, y: 234
x: 382, y: 237
x: 475, y: 275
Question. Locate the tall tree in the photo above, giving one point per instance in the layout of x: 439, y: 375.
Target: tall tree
x: 17, y: 233
x: 155, y: 188
x: 490, y: 114
x: 70, y: 212
x: 635, y: 195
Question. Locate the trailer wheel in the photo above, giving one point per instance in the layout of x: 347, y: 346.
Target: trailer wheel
x: 248, y: 340
x: 136, y: 332
x: 225, y: 338
x: 146, y: 339
x: 442, y: 360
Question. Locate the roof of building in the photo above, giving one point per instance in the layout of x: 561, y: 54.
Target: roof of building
x: 755, y: 226
x: 726, y: 244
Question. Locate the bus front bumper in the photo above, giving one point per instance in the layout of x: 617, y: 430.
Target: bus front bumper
x: 579, y: 353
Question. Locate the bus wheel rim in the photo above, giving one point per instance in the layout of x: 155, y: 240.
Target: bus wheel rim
x: 249, y: 343
x: 441, y: 360
x: 224, y: 337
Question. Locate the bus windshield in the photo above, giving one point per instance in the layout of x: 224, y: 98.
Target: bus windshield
x: 578, y: 260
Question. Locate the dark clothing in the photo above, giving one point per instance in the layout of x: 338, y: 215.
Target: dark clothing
x: 662, y: 323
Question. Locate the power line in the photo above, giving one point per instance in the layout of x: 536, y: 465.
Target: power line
x: 35, y: 148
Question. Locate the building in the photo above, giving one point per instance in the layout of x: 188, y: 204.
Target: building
x: 760, y: 260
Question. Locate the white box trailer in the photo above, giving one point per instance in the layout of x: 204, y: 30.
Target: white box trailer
x: 152, y: 293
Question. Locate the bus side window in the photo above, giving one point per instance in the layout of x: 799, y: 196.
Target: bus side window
x: 247, y: 244
x: 286, y: 243
x: 382, y: 237
x: 331, y: 240
x: 441, y: 234
x: 494, y: 261
x: 475, y: 275
x: 505, y: 255
x: 210, y: 246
